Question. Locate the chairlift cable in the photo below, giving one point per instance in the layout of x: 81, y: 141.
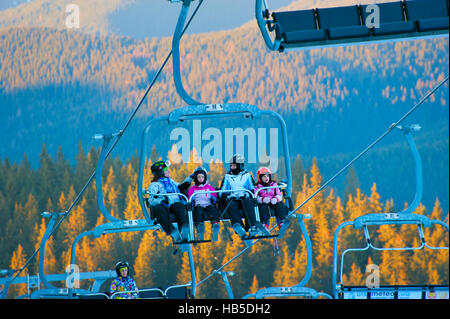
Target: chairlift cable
x: 121, y: 132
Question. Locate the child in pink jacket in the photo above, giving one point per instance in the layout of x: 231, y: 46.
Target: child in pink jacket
x: 269, y: 198
x: 204, y: 204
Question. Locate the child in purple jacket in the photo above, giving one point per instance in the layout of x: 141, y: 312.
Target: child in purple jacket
x: 204, y: 204
x: 269, y: 198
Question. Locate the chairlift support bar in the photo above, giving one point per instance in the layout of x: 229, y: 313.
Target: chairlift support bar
x: 191, y: 198
x: 99, y: 276
x: 57, y: 293
x: 224, y: 276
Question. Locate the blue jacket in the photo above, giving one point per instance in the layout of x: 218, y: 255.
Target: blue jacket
x: 159, y: 188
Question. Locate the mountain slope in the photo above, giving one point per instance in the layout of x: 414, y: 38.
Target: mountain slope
x: 61, y: 87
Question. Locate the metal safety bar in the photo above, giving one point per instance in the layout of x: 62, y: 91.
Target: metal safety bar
x: 189, y: 200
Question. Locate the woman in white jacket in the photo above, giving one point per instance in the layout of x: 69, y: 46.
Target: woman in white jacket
x: 240, y: 204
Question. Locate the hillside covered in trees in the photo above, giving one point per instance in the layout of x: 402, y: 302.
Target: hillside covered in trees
x: 62, y: 87
x: 53, y: 187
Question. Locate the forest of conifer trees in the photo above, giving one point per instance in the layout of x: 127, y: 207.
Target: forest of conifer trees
x: 26, y: 192
x: 57, y: 86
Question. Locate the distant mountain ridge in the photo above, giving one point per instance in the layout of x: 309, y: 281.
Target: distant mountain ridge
x: 52, y: 14
x: 142, y: 18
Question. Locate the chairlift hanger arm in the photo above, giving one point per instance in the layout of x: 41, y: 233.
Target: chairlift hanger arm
x: 221, y: 191
x: 48, y: 231
x: 209, y: 110
x: 176, y: 53
x: 237, y: 109
x: 418, y: 167
x: 98, y: 176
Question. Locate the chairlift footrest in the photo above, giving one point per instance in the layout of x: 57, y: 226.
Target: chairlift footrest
x: 260, y: 237
x: 283, y: 229
x: 262, y: 229
x: 191, y: 242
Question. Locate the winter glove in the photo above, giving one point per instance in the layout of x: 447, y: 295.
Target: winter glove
x: 274, y: 200
x: 266, y: 200
x: 184, y: 186
x: 165, y: 202
x: 259, y: 200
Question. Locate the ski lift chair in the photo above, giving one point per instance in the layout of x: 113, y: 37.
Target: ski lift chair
x: 405, y: 217
x: 342, y: 25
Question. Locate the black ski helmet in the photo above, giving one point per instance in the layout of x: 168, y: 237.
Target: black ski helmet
x: 122, y: 264
x: 159, y: 167
x: 239, y: 160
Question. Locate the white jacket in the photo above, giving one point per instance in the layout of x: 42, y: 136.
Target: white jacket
x: 243, y: 180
